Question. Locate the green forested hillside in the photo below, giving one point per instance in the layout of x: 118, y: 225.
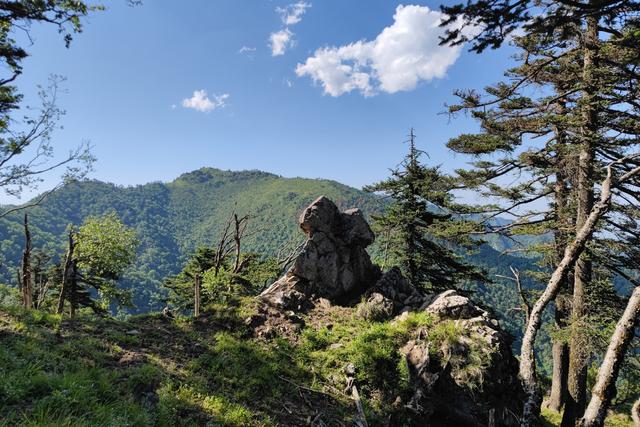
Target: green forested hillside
x: 172, y: 219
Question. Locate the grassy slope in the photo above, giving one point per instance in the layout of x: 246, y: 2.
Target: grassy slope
x: 153, y: 371
x: 149, y: 371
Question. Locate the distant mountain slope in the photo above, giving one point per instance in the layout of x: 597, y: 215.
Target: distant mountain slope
x: 172, y: 219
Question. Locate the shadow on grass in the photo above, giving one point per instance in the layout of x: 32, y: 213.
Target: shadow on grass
x: 152, y: 370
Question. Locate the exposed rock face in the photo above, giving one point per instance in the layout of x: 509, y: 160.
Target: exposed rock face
x: 468, y: 379
x: 396, y: 289
x: 450, y: 305
x: 376, y: 307
x: 333, y: 263
x: 442, y: 392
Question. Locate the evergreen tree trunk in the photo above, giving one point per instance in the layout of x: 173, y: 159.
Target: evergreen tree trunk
x: 27, y: 290
x: 66, y: 274
x: 578, y: 353
x: 605, y: 387
x: 531, y: 409
x: 560, y: 348
x: 635, y: 413
x: 560, y: 352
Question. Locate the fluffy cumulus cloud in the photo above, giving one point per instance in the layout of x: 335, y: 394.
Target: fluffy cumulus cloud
x: 402, y: 55
x: 280, y: 41
x: 292, y: 14
x: 200, y: 101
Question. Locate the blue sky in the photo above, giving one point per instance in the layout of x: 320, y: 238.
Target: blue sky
x: 287, y: 108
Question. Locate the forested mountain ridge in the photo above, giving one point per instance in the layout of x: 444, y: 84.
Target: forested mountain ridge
x: 172, y: 219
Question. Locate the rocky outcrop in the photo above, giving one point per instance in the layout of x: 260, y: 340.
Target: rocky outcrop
x: 468, y: 379
x: 450, y: 305
x: 392, y: 288
x: 442, y: 392
x: 333, y: 262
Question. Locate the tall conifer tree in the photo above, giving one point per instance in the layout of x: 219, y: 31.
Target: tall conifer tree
x: 415, y: 225
x: 602, y: 87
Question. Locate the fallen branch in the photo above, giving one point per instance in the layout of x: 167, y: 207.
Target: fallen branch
x: 311, y: 390
x: 362, y: 421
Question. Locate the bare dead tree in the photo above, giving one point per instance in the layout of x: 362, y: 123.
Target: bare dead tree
x: 528, y: 375
x: 240, y: 227
x: 526, y: 305
x: 27, y: 288
x: 41, y: 279
x: 73, y: 288
x: 43, y: 289
x: 288, y: 252
x: 26, y: 156
x: 68, y: 273
x: 230, y: 242
x: 196, y: 297
x: 224, y: 247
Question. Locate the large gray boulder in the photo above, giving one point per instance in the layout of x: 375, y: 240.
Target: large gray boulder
x: 333, y: 262
x: 480, y: 354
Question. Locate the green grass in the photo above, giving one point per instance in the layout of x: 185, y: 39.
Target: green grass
x: 61, y: 373
x: 154, y: 371
x: 553, y: 419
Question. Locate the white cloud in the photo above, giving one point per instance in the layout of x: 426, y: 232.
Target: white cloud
x: 247, y: 49
x: 280, y: 41
x: 200, y: 101
x: 292, y: 14
x: 402, y: 55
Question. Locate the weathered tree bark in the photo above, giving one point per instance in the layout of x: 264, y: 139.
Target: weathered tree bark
x: 222, y: 250
x: 240, y: 226
x: 19, y: 278
x: 531, y: 410
x: 605, y: 388
x: 196, y: 296
x: 42, y: 294
x: 73, y: 289
x: 578, y: 353
x: 560, y: 353
x: 560, y: 348
x: 237, y: 240
x: 66, y: 273
x: 635, y: 413
x: 362, y: 418
x: 27, y: 289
